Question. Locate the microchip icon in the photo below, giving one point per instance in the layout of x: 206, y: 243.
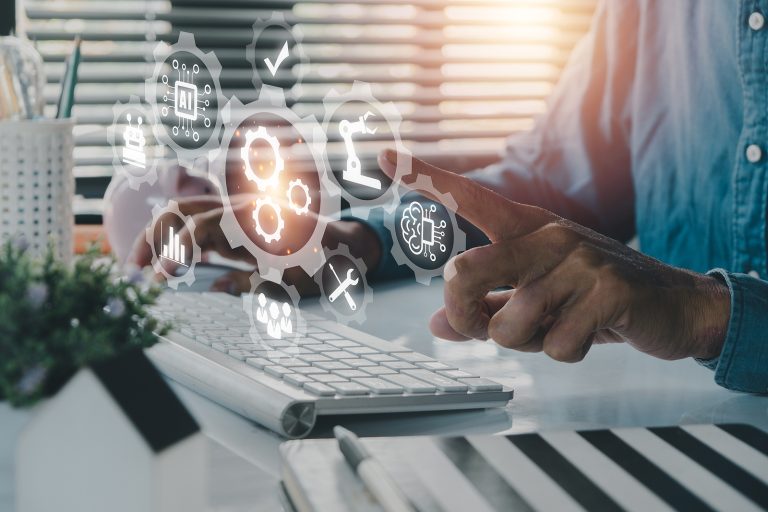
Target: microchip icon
x: 185, y: 100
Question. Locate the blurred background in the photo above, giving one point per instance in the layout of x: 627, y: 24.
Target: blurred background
x: 464, y: 74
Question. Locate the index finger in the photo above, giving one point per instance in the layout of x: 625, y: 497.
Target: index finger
x: 496, y: 216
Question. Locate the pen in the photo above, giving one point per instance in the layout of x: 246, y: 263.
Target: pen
x: 67, y: 96
x: 373, y: 475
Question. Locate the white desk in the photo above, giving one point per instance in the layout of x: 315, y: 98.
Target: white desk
x: 614, y: 386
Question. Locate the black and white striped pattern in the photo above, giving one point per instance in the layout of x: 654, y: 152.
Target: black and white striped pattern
x: 697, y: 467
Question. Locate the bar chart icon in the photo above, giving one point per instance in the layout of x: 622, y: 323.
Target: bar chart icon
x: 173, y: 250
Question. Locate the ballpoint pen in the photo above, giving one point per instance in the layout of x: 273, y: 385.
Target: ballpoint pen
x: 371, y: 472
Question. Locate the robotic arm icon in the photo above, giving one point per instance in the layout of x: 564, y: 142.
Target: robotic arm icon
x: 353, y: 172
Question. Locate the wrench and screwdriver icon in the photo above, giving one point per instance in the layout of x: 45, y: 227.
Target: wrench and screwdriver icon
x: 343, y: 285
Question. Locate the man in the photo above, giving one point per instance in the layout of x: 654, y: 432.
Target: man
x: 658, y: 127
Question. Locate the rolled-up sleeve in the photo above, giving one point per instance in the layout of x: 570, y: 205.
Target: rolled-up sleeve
x: 743, y: 361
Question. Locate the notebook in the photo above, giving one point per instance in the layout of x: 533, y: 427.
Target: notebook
x: 690, y: 467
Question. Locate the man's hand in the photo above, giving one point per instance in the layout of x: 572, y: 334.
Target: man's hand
x: 207, y: 211
x: 572, y: 286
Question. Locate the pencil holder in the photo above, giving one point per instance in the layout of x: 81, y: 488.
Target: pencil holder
x: 37, y: 184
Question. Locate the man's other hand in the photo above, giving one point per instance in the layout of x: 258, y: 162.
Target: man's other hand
x: 572, y: 287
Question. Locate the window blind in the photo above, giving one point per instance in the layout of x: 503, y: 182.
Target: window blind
x: 464, y: 74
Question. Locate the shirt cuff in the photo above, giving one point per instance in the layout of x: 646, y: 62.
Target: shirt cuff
x: 743, y: 361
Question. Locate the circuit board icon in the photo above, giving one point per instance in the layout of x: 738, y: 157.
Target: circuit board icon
x: 186, y: 103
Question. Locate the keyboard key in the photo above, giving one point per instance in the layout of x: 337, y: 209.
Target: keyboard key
x: 313, y: 358
x: 320, y: 347
x: 351, y: 373
x: 410, y: 384
x: 362, y: 350
x: 456, y: 374
x: 308, y: 370
x: 339, y: 354
x: 342, y: 343
x: 203, y: 338
x: 277, y: 371
x: 435, y: 365
x: 358, y: 363
x: 414, y: 357
x: 296, y: 379
x: 479, y: 384
x: 239, y: 354
x: 317, y: 388
x: 349, y: 388
x: 221, y: 347
x: 379, y: 370
x: 380, y: 386
x: 322, y: 336
x: 258, y: 362
x: 442, y: 383
x: 294, y: 363
x: 331, y: 365
x: 398, y: 365
x: 379, y: 358
x: 328, y: 377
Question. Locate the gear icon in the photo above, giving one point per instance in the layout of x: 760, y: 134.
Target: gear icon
x: 189, y: 276
x: 276, y: 301
x: 261, y: 134
x: 129, y: 158
x: 300, y: 209
x: 338, y: 308
x: 310, y: 256
x: 428, y: 236
x: 188, y: 116
x: 253, y: 53
x: 261, y: 202
x: 361, y: 92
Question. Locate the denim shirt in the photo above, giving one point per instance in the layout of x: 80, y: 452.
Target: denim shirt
x: 658, y: 128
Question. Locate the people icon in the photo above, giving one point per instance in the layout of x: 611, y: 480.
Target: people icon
x: 276, y: 317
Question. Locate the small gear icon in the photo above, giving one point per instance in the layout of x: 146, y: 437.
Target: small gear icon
x: 129, y: 157
x: 261, y: 134
x: 254, y: 53
x: 189, y: 276
x: 300, y: 209
x: 262, y: 202
x: 424, y: 275
x: 188, y: 116
x: 276, y: 302
x: 352, y: 310
x: 361, y: 92
x: 310, y: 255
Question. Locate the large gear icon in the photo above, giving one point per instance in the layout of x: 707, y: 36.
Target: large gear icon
x: 423, y: 183
x: 121, y: 113
x: 300, y: 209
x: 277, y: 19
x: 186, y: 44
x: 267, y: 201
x: 361, y: 92
x: 310, y: 256
x: 261, y: 134
x: 277, y: 347
x: 189, y: 276
x: 358, y: 314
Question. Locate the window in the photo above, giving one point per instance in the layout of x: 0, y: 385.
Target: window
x: 463, y: 73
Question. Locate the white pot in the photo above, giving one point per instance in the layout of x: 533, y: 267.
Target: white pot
x: 12, y: 422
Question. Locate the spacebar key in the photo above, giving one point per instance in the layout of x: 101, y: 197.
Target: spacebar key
x: 410, y: 384
x: 442, y: 383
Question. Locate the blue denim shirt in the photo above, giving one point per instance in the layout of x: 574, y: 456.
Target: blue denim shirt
x: 659, y: 127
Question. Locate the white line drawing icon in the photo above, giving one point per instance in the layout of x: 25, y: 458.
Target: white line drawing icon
x: 252, y: 136
x: 277, y: 317
x: 187, y: 100
x: 422, y: 234
x: 280, y: 58
x: 343, y: 285
x: 298, y: 207
x: 173, y: 250
x: 267, y: 202
x: 353, y: 172
x: 134, y: 143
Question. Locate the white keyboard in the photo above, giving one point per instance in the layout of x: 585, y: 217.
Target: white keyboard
x: 328, y: 369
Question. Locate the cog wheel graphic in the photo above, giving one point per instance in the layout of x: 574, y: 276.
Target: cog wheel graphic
x: 300, y: 209
x: 424, y: 275
x: 358, y: 314
x: 284, y: 347
x: 154, y: 85
x: 261, y: 134
x: 361, y: 92
x: 189, y: 276
x: 296, y: 52
x: 262, y: 202
x: 128, y: 159
x: 310, y: 256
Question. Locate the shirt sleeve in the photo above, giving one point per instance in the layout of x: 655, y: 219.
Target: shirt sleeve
x: 743, y: 361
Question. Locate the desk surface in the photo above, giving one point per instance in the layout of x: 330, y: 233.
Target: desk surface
x: 614, y: 386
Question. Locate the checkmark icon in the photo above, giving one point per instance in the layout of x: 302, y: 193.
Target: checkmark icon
x: 280, y: 58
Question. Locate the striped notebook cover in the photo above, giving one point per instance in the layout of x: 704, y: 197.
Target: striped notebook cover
x: 692, y: 467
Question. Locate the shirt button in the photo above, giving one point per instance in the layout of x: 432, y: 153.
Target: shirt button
x: 756, y: 21
x: 754, y: 153
x: 754, y: 273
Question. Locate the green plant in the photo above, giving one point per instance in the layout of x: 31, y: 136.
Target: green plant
x: 55, y: 319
